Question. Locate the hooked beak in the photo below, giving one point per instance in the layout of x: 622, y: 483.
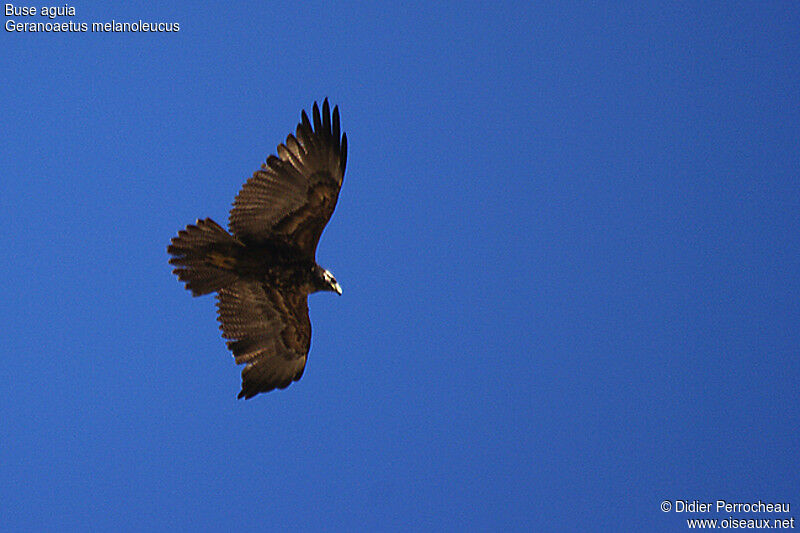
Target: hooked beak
x: 331, y: 282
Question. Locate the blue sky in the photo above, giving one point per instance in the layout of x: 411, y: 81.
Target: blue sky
x: 568, y: 238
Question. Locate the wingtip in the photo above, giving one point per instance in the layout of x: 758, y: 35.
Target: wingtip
x: 326, y: 117
x: 317, y: 118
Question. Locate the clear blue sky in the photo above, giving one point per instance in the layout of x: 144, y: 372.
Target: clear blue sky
x: 569, y: 242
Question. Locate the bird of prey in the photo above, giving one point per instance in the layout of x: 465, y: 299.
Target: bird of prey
x: 265, y: 268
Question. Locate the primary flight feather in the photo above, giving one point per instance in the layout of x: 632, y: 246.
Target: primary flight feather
x: 265, y: 268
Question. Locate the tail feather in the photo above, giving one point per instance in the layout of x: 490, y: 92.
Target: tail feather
x: 202, y: 255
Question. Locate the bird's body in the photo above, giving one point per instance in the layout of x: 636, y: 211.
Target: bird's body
x: 273, y: 262
x: 264, y: 269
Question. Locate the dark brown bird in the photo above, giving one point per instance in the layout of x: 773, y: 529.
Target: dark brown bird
x: 265, y: 268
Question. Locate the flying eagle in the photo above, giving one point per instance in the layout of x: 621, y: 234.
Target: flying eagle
x: 265, y: 268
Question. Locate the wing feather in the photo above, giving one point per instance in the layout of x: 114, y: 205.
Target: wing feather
x: 293, y: 195
x: 269, y: 331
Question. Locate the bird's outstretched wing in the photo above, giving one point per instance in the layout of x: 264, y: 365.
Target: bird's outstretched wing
x: 293, y: 196
x: 270, y: 332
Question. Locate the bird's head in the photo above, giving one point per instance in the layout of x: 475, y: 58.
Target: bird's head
x: 326, y: 281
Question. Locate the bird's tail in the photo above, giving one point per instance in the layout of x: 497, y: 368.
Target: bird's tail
x: 204, y: 254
